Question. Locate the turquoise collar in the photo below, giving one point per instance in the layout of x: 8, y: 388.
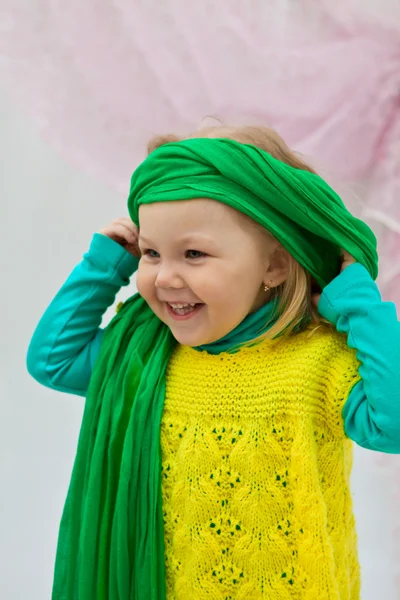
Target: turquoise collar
x: 251, y: 327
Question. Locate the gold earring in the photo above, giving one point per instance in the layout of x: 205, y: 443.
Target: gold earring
x: 266, y: 287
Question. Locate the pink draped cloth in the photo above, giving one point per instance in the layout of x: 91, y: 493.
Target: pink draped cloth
x: 100, y: 78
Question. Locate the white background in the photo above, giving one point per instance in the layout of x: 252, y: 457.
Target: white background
x: 48, y: 215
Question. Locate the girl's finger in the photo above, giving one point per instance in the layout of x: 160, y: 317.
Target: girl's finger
x: 129, y: 233
x: 115, y: 230
x: 130, y: 226
x: 347, y: 256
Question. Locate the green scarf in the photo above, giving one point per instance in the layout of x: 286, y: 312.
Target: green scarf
x: 298, y: 207
x: 111, y: 539
x: 251, y: 327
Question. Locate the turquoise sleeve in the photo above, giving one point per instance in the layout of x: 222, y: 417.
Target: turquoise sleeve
x: 352, y: 302
x: 67, y: 340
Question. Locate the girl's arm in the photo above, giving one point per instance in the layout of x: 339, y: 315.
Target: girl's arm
x: 67, y: 340
x: 352, y: 302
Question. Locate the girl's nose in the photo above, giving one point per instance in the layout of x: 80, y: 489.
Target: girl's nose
x: 168, y: 277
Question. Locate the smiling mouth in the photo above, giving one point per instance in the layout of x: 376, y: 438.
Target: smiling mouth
x: 183, y: 312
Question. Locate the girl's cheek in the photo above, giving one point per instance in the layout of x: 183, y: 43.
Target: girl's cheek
x: 142, y: 288
x: 145, y: 283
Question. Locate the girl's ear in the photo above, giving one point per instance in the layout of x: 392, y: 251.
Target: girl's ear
x: 278, y: 268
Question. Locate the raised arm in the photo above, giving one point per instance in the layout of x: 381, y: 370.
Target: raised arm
x: 352, y: 302
x: 67, y: 340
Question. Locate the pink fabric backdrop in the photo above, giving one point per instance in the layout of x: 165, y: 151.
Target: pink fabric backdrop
x: 99, y: 78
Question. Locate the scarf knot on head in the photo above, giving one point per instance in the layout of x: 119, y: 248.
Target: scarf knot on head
x: 298, y: 207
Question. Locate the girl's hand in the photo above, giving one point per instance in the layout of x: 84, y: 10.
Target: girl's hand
x: 125, y: 233
x: 347, y: 259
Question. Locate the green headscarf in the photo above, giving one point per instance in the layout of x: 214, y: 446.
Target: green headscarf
x: 111, y: 539
x: 298, y: 207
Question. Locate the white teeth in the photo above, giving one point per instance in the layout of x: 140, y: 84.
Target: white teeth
x: 181, y: 305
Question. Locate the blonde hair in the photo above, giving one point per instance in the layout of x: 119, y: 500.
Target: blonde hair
x: 295, y: 311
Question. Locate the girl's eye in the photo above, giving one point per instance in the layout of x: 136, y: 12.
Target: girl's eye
x: 192, y: 254
x: 149, y: 253
x: 195, y: 254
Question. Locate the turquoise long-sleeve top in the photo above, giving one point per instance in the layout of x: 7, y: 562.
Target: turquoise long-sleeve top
x: 67, y: 340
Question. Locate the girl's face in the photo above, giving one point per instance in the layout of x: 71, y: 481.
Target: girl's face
x: 205, y: 253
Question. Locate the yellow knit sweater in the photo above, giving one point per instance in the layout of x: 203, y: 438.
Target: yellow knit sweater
x: 255, y: 472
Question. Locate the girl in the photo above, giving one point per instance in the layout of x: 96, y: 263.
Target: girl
x: 215, y: 451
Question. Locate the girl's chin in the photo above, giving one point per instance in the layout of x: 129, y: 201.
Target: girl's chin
x: 188, y: 340
x: 192, y: 340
